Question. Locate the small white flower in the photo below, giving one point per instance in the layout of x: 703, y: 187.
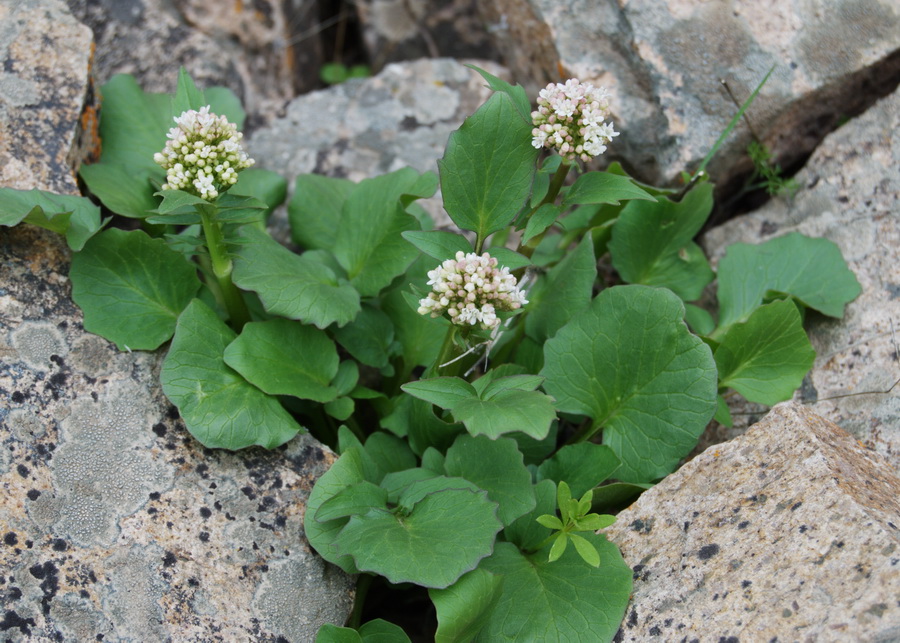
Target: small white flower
x: 571, y: 119
x: 203, y: 154
x: 470, y: 289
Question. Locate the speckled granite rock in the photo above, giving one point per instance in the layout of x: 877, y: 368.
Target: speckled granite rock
x: 114, y: 522
x: 850, y: 193
x: 363, y: 128
x: 663, y: 62
x: 790, y: 532
x: 245, y: 46
x: 45, y: 54
x: 397, y: 30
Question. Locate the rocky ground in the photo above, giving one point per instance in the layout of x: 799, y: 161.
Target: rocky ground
x: 115, y: 524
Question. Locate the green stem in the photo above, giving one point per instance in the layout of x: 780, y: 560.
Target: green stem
x: 448, y: 352
x: 222, y: 267
x: 556, y: 183
x: 362, y: 589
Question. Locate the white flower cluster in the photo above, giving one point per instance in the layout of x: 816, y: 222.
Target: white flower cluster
x: 203, y: 154
x: 570, y: 119
x: 471, y: 290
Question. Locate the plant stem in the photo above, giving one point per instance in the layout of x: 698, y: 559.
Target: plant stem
x: 585, y: 433
x: 362, y: 589
x: 448, y: 352
x: 222, y: 267
x: 556, y: 183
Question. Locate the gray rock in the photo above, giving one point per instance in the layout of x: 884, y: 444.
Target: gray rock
x: 663, y: 62
x: 363, y: 128
x: 115, y: 521
x: 43, y: 86
x: 397, y: 30
x: 848, y: 194
x: 789, y: 531
x: 256, y: 49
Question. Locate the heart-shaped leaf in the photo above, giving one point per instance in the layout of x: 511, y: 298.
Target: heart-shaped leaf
x: 131, y: 288
x: 631, y: 364
x: 219, y: 407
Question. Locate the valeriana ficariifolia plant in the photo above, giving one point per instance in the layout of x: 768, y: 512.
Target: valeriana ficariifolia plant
x: 465, y: 385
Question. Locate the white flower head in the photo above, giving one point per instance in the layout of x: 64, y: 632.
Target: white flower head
x: 471, y: 289
x: 571, y: 119
x: 203, y: 154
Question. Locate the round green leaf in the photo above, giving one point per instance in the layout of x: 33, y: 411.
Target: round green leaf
x: 766, y: 358
x: 497, y: 467
x: 631, y: 364
x: 219, y: 407
x: 508, y: 411
x: 582, y: 466
x: 443, y: 537
x: 566, y: 600
x: 463, y: 608
x: 131, y: 287
x: 811, y: 270
x: 284, y: 357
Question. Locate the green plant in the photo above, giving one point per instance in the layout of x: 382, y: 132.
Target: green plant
x: 464, y: 383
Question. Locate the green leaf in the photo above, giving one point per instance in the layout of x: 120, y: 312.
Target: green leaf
x: 330, y: 633
x: 433, y: 459
x: 438, y: 244
x: 444, y: 392
x: 488, y: 166
x: 630, y: 363
x: 766, y: 358
x: 810, y: 270
x: 75, y: 217
x: 368, y: 243
x: 352, y: 500
x: 444, y: 536
x: 219, y: 407
x: 345, y: 472
x: 223, y: 102
x: 560, y: 542
x: 509, y: 258
x: 652, y: 243
x: 386, y: 454
x: 131, y: 288
x: 526, y: 532
x: 582, y: 466
x: 118, y: 190
x: 586, y: 550
x: 698, y: 319
x: 543, y: 218
x: 133, y: 127
x: 341, y: 408
x: 497, y: 467
x: 381, y: 631
x: 603, y: 187
x: 346, y: 378
x: 419, y: 336
x: 557, y: 602
x: 314, y: 211
x: 563, y: 500
x: 290, y: 285
x: 284, y: 357
x: 262, y: 184
x: 463, y: 608
x: 187, y: 96
x: 368, y: 338
x: 418, y: 489
x: 507, y: 411
x: 723, y: 413
x: 550, y: 522
x: 497, y: 385
x: 416, y: 418
x: 515, y: 92
x: 562, y: 294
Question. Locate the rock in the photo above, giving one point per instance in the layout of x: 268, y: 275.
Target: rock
x: 849, y: 194
x: 663, y: 62
x: 43, y: 89
x: 115, y: 522
x: 789, y: 531
x: 245, y: 46
x: 363, y: 128
x: 397, y: 30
